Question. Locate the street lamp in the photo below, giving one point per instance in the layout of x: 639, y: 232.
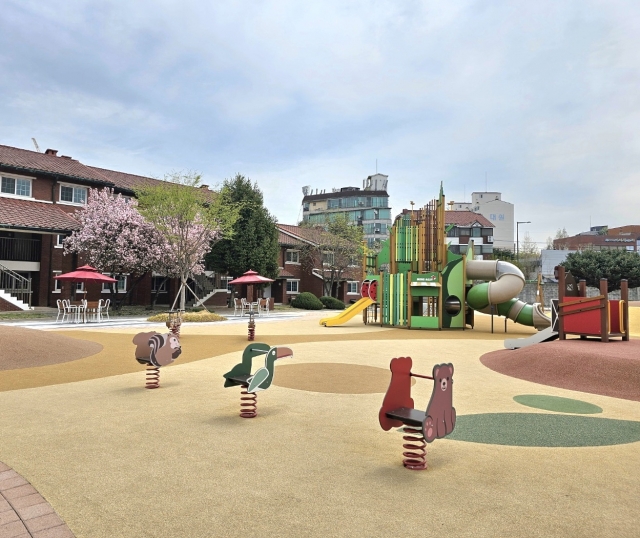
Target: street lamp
x: 518, y: 236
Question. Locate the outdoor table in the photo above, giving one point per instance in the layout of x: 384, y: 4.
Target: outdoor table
x: 91, y: 307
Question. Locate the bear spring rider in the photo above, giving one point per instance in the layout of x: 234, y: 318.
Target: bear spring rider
x: 420, y: 427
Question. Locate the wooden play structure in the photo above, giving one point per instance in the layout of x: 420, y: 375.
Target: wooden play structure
x: 156, y: 350
x: 420, y: 427
x: 240, y: 375
x: 584, y: 316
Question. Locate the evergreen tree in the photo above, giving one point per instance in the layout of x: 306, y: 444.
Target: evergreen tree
x: 255, y: 239
x: 614, y: 265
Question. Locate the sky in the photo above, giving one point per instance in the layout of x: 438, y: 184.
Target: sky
x: 537, y: 100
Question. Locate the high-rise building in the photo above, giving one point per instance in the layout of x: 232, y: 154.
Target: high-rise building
x: 367, y: 207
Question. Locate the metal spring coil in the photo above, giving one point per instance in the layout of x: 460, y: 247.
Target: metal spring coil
x: 153, y: 377
x: 252, y: 333
x: 248, y: 403
x: 415, y: 454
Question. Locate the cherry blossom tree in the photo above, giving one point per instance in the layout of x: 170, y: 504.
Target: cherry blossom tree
x: 190, y: 218
x: 115, y: 238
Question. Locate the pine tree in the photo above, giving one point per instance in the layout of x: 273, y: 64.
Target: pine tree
x: 255, y: 233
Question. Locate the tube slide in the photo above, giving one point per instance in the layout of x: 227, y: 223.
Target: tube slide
x: 507, y: 282
x: 347, y: 313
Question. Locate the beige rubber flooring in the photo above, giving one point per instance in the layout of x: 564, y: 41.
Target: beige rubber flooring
x: 116, y: 460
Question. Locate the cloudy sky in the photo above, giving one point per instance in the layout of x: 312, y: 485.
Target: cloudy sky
x: 538, y: 100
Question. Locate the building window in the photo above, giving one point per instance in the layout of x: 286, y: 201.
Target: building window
x: 15, y: 186
x: 225, y: 283
x: 476, y: 232
x: 73, y: 195
x: 57, y: 284
x: 352, y: 288
x: 158, y: 284
x: 60, y: 240
x: 79, y: 287
x: 292, y: 256
x: 327, y: 258
x: 121, y: 286
x: 292, y: 286
x: 305, y: 206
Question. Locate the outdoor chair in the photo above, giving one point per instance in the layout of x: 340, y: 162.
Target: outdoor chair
x: 104, y: 310
x: 263, y: 307
x: 60, y: 311
x: 238, y: 305
x: 69, y: 310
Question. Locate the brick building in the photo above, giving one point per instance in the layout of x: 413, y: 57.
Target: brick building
x: 39, y: 193
x: 603, y: 238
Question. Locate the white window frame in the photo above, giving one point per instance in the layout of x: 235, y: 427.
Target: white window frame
x: 106, y: 286
x: 351, y: 283
x: 227, y: 279
x: 80, y: 287
x: 57, y: 284
x: 17, y: 178
x: 292, y: 252
x: 74, y: 187
x: 59, y: 242
x: 295, y: 281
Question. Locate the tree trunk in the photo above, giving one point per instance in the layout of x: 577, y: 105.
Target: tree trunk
x: 183, y: 293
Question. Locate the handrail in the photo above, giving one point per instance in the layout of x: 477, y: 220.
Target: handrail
x: 15, y: 285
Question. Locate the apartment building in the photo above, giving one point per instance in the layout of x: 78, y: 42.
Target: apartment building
x: 367, y: 207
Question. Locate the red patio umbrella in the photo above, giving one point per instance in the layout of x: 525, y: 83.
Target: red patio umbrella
x: 250, y: 278
x: 86, y: 273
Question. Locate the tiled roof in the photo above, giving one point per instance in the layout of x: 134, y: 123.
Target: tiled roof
x: 285, y: 274
x: 466, y: 218
x: 28, y: 215
x: 33, y: 161
x: 299, y: 233
x: 122, y: 180
x: 284, y: 239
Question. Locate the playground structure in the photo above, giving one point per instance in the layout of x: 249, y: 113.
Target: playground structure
x: 420, y: 427
x: 576, y: 314
x: 417, y: 282
x: 598, y: 316
x: 240, y: 375
x: 156, y: 350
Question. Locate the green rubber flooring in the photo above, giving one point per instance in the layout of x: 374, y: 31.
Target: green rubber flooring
x: 544, y: 430
x: 558, y: 404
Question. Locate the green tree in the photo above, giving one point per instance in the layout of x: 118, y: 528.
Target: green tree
x: 614, y: 265
x: 255, y: 233
x: 190, y: 218
x: 503, y: 254
x: 337, y: 245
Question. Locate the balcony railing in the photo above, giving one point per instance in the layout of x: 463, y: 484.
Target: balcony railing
x: 19, y: 250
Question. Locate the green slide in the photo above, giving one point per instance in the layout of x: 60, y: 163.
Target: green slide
x: 507, y: 282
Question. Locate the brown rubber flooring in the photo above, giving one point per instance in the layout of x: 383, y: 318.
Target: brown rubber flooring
x: 608, y: 369
x: 26, y: 348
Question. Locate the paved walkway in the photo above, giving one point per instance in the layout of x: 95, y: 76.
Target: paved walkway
x: 24, y: 512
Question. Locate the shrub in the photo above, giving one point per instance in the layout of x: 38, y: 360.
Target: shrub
x: 307, y: 301
x: 201, y: 316
x: 332, y: 303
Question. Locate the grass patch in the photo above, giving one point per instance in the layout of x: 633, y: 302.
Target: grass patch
x: 26, y: 315
x: 202, y: 316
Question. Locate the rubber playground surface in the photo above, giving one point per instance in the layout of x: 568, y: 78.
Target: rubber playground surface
x: 547, y: 439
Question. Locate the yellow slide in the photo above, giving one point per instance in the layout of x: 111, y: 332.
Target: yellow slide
x: 348, y: 313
